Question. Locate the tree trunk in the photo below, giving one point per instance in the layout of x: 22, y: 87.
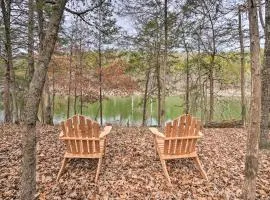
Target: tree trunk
x: 145, y: 96
x: 261, y: 14
x: 75, y: 90
x: 81, y: 77
x: 265, y: 135
x: 100, y: 71
x: 53, y: 90
x: 6, y: 96
x: 39, y: 8
x: 211, y: 89
x: 31, y: 25
x: 48, y: 117
x: 100, y: 85
x: 28, y: 179
x: 200, y: 82
x: 242, y: 56
x: 6, y: 9
x: 70, y: 77
x: 164, y: 66
x: 187, y: 78
x: 158, y: 82
x: 251, y: 162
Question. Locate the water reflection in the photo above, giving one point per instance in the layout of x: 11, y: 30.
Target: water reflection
x: 129, y: 110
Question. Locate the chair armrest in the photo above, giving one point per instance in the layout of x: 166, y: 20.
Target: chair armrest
x: 200, y: 134
x: 105, y: 132
x: 61, y: 134
x: 156, y: 132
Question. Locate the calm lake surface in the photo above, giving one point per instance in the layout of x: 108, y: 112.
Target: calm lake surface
x: 128, y: 110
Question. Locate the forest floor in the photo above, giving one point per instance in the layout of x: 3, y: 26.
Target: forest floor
x: 129, y: 169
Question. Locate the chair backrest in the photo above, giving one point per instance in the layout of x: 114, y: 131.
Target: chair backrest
x: 81, y: 135
x: 181, y: 135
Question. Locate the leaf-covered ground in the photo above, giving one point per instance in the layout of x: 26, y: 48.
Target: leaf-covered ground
x: 129, y: 169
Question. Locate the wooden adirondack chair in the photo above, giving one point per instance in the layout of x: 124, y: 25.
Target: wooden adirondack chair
x: 179, y: 141
x: 83, y: 139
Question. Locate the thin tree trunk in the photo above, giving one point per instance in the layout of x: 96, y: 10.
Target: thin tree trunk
x: 6, y: 9
x: 28, y: 179
x: 145, y: 98
x: 70, y: 77
x: 100, y: 72
x: 187, y: 78
x: 265, y: 135
x: 48, y: 118
x: 100, y: 85
x: 158, y: 82
x: 6, y: 96
x: 261, y: 15
x: 75, y: 90
x: 200, y: 82
x: 39, y: 8
x: 251, y: 162
x: 211, y: 88
x: 242, y: 56
x: 164, y: 68
x: 81, y: 77
x: 31, y: 62
x: 53, y: 90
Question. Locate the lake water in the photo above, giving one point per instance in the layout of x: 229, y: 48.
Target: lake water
x: 128, y: 110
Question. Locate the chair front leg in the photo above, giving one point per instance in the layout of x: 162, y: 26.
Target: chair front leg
x: 98, y: 169
x: 64, y: 162
x: 163, y: 163
x: 199, y: 165
x: 155, y: 143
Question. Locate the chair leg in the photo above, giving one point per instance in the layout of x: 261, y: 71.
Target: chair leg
x: 163, y: 163
x: 98, y: 169
x: 64, y: 162
x: 105, y: 144
x: 155, y: 143
x: 199, y: 165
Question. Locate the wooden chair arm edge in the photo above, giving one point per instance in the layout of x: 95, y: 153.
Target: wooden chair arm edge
x: 106, y: 131
x: 156, y: 132
x: 200, y: 134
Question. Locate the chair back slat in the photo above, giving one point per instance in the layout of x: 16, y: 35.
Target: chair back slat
x: 83, y: 133
x: 184, y: 126
x: 168, y: 130
x: 64, y: 131
x: 96, y: 131
x: 70, y: 133
x: 173, y: 134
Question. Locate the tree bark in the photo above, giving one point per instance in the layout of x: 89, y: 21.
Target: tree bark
x: 31, y: 62
x: 261, y: 15
x: 187, y: 78
x: 100, y: 69
x: 47, y: 103
x: 6, y: 96
x: 28, y: 179
x: 100, y: 84
x: 211, y: 88
x: 81, y: 76
x: 145, y: 98
x: 242, y: 60
x: 265, y: 135
x: 164, y: 66
x: 6, y: 9
x: 251, y: 162
x: 70, y: 76
x: 157, y: 48
x: 75, y: 90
